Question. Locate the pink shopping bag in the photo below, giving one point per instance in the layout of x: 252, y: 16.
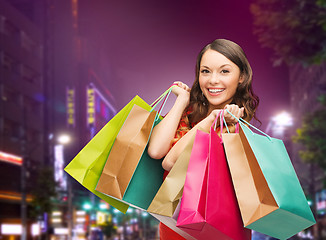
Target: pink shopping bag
x: 209, y: 208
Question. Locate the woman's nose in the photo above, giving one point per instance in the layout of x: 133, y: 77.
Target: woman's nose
x: 214, y: 79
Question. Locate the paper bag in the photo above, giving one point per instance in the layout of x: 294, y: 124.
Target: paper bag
x: 164, y: 206
x: 209, y: 208
x: 129, y: 173
x: 170, y: 192
x: 88, y: 164
x: 270, y: 197
x: 126, y: 152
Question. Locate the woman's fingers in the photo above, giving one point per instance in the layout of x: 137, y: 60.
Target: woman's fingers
x: 242, y: 112
x: 182, y: 85
x: 236, y: 111
x: 179, y: 87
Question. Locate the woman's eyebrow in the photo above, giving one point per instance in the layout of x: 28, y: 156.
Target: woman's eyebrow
x: 224, y: 65
x: 204, y: 66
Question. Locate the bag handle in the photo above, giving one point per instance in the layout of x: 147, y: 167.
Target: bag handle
x: 221, y: 116
x: 163, y: 97
x: 215, y: 121
x: 154, y: 104
x: 227, y: 128
x: 242, y: 122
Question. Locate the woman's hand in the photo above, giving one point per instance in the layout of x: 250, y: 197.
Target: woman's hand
x: 182, y: 91
x: 180, y: 88
x: 235, y: 110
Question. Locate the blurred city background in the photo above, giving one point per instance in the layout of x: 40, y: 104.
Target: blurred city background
x: 68, y: 66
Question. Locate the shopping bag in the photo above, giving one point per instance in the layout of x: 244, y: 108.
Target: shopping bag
x: 209, y: 208
x: 88, y: 164
x: 269, y: 193
x: 129, y: 173
x: 164, y: 206
x: 170, y: 192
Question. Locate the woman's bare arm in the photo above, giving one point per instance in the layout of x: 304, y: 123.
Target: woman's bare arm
x: 204, y: 125
x: 176, y: 150
x: 164, y: 132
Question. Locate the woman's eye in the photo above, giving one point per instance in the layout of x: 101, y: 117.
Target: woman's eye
x: 204, y: 71
x: 225, y: 71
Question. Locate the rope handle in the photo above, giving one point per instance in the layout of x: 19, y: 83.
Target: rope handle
x: 215, y: 121
x: 154, y: 104
x: 242, y: 121
x: 163, y: 97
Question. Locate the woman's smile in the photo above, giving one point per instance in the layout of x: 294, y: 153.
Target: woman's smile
x: 215, y: 91
x: 219, y: 78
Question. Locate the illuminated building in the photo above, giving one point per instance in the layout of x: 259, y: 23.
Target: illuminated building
x: 21, y: 112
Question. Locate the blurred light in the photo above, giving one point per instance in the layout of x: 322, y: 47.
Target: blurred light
x: 130, y: 210
x: 50, y: 136
x: 283, y: 119
x: 35, y: 229
x: 133, y: 220
x: 310, y: 202
x: 10, y: 158
x: 100, y: 218
x: 56, y: 220
x: 103, y: 206
x: 80, y: 213
x: 11, y: 229
x: 64, y: 139
x: 87, y: 206
x: 94, y: 228
x: 56, y: 213
x: 144, y: 214
x: 61, y: 231
x: 80, y: 220
x: 59, y: 163
x: 279, y: 123
x: 116, y: 210
x: 80, y: 230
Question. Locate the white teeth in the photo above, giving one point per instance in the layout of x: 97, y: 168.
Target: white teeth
x: 215, y: 90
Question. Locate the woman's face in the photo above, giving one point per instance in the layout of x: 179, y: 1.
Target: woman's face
x: 218, y: 79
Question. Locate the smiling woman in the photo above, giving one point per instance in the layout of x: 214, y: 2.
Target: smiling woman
x: 223, y: 81
x: 219, y: 78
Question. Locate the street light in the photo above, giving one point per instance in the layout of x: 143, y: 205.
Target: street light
x: 87, y: 206
x: 64, y: 139
x: 283, y: 119
x: 279, y: 123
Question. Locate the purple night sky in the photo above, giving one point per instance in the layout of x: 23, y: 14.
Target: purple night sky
x: 151, y: 44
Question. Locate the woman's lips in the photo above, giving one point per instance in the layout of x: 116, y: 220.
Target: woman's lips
x: 215, y: 91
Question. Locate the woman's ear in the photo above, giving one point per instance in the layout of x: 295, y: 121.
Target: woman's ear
x: 241, y: 78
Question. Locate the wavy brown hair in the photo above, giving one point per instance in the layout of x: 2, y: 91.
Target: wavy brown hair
x: 244, y: 96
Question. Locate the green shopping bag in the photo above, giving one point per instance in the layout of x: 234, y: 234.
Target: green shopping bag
x: 88, y: 164
x: 146, y: 180
x: 292, y: 213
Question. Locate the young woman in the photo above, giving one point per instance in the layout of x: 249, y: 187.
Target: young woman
x: 223, y: 81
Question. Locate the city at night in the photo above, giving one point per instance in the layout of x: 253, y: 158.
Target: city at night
x: 162, y: 120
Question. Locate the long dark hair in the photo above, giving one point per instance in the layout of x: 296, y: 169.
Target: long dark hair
x: 244, y: 96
